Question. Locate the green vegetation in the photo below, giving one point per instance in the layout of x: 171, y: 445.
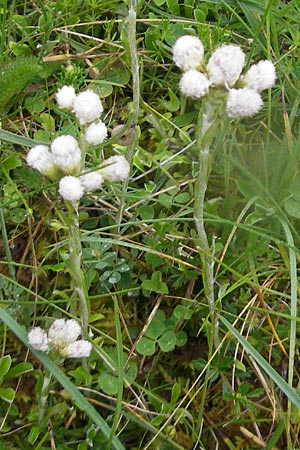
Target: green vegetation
x: 169, y: 369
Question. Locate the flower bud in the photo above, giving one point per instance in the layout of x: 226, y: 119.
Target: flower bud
x: 116, y: 168
x: 87, y: 107
x: 70, y: 189
x: 96, y: 133
x: 77, y: 349
x: 37, y: 337
x: 226, y: 64
x: 188, y: 52
x: 40, y: 158
x: 260, y: 76
x: 194, y: 84
x: 91, y: 181
x: 63, y: 332
x: 65, y: 97
x: 66, y: 154
x: 243, y: 103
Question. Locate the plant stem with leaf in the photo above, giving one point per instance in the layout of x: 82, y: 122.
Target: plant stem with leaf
x: 204, y: 135
x: 77, y: 277
x: 135, y: 109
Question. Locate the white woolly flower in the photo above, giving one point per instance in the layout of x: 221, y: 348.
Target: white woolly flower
x: 66, y: 154
x: 40, y: 158
x: 243, y: 103
x: 226, y: 64
x: 37, y: 337
x: 194, y: 84
x: 116, y: 168
x: 65, y: 97
x: 260, y: 76
x: 70, y: 188
x: 91, y: 181
x: 188, y: 52
x: 63, y: 332
x: 77, y: 349
x: 96, y: 133
x: 87, y: 107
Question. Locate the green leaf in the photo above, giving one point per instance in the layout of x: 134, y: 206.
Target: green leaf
x: 200, y: 13
x: 19, y: 370
x: 34, y: 104
x: 176, y: 391
x: 173, y: 104
x: 181, y: 338
x: 174, y: 7
x: 146, y: 212
x: 108, y: 383
x: 13, y: 138
x: 277, y: 379
x: 119, y: 76
x: 155, y: 284
x: 167, y: 341
x: 104, y: 89
x: 115, y: 277
x: 34, y: 433
x: 5, y: 363
x: 131, y: 371
x: 182, y: 312
x: 7, y: 394
x: 77, y: 396
x: 292, y: 207
x: 11, y: 162
x: 146, y: 346
x: 155, y: 328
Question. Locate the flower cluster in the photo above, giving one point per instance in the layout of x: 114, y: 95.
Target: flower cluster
x: 223, y: 71
x: 62, y: 337
x: 64, y: 159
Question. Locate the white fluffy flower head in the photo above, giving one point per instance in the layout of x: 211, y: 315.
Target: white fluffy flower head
x: 87, y: 107
x: 243, y: 103
x: 91, y: 181
x: 226, y: 64
x: 194, y: 84
x: 65, y: 97
x: 63, y: 332
x: 70, y: 188
x: 62, y: 338
x: 40, y: 158
x: 66, y: 154
x: 188, y: 52
x: 116, y: 168
x: 77, y: 349
x: 260, y: 76
x: 96, y: 133
x: 37, y: 337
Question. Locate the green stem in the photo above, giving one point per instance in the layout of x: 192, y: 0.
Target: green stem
x: 135, y: 73
x: 203, y: 140
x: 44, y: 395
x: 77, y: 277
x: 9, y: 259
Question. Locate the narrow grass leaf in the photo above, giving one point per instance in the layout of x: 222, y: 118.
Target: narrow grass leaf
x: 13, y: 138
x: 277, y: 379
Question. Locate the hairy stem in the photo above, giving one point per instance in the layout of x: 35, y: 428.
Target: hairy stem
x: 135, y: 74
x: 203, y: 141
x: 77, y: 278
x: 44, y: 395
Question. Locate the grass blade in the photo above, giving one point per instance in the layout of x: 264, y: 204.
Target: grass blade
x: 278, y: 380
x: 13, y: 138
